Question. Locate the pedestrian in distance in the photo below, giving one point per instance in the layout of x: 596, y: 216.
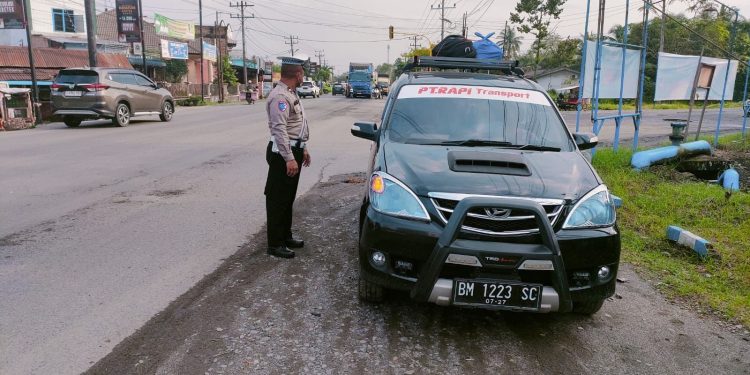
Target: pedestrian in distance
x: 286, y: 153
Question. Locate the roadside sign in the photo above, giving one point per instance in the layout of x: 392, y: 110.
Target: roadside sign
x: 137, y: 48
x: 174, y: 50
x: 11, y: 14
x: 128, y: 23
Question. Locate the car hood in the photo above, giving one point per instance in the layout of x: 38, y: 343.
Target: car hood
x: 427, y: 168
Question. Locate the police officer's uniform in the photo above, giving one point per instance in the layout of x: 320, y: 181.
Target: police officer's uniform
x: 289, y: 135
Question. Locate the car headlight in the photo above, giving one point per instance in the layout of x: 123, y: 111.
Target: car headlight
x: 595, y: 209
x: 391, y: 197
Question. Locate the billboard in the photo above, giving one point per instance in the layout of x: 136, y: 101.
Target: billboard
x: 209, y: 52
x: 11, y: 14
x: 173, y: 28
x: 675, y: 75
x: 128, y: 21
x: 174, y: 50
x: 611, y: 72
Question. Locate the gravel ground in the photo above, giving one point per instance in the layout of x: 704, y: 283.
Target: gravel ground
x: 261, y: 315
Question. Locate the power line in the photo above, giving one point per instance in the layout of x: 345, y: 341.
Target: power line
x: 292, y: 40
x: 242, y: 5
x: 442, y: 9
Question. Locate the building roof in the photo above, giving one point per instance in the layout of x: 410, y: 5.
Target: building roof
x: 544, y: 73
x: 14, y: 62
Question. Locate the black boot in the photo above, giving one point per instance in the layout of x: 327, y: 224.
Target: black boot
x: 294, y: 243
x: 280, y: 251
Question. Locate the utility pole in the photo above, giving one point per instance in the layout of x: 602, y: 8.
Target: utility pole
x: 319, y: 55
x: 34, y: 87
x: 415, y: 45
x: 464, y: 28
x: 200, y: 26
x: 292, y: 40
x: 442, y: 9
x: 388, y: 59
x: 143, y: 38
x: 91, y: 30
x: 220, y: 60
x: 663, y: 21
x: 242, y: 5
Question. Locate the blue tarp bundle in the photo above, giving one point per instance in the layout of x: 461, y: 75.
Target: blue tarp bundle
x: 486, y: 49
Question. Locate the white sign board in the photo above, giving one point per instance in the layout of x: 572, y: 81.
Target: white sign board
x: 675, y: 75
x: 137, y: 48
x: 611, y: 71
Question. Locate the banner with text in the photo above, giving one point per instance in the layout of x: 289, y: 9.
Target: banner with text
x: 174, y: 50
x: 209, y: 52
x: 128, y: 24
x: 11, y: 14
x: 173, y: 28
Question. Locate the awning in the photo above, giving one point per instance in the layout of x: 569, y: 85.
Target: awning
x: 150, y: 61
x: 238, y: 63
x: 28, y: 83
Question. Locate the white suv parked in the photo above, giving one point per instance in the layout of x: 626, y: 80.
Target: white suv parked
x: 308, y: 88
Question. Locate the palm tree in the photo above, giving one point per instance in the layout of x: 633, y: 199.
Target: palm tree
x: 510, y: 41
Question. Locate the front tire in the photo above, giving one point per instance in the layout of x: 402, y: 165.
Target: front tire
x: 122, y: 115
x: 370, y: 292
x: 72, y: 122
x: 167, y: 110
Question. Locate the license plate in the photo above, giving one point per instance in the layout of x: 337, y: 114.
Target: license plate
x: 72, y: 93
x: 500, y: 294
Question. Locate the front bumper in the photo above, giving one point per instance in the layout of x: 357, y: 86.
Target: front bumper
x: 418, y: 257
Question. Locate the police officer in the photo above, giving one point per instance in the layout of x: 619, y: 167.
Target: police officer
x: 285, y: 154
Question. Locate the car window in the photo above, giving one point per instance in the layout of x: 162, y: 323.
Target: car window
x: 77, y: 76
x: 306, y: 84
x: 124, y: 78
x: 143, y: 81
x: 435, y: 114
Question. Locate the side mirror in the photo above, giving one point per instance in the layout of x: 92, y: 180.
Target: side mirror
x: 586, y: 141
x: 366, y: 130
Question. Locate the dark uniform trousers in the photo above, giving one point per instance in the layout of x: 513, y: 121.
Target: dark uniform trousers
x: 280, y: 192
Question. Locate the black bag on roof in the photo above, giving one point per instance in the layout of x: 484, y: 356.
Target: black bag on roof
x: 454, y: 46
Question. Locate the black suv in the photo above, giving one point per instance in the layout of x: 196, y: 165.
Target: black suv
x: 479, y: 196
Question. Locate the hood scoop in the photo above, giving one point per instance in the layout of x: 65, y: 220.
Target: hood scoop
x: 488, y: 162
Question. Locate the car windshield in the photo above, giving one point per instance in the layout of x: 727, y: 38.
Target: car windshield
x: 483, y: 116
x: 359, y: 76
x: 306, y: 84
x: 337, y: 86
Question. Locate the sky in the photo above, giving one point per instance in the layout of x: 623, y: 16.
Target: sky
x: 355, y: 30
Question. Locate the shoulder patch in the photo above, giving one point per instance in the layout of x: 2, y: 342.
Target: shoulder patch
x: 283, y: 105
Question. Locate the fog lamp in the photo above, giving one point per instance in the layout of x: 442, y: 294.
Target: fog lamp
x: 378, y: 258
x: 603, y: 273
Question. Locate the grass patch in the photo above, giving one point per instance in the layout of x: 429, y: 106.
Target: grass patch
x: 612, y: 105
x: 652, y: 201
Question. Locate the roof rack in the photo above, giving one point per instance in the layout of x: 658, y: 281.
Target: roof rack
x: 507, y: 67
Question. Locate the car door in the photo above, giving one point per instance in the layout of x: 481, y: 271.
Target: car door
x: 149, y: 97
x: 124, y: 83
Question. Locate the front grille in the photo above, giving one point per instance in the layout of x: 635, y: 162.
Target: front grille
x: 494, y: 221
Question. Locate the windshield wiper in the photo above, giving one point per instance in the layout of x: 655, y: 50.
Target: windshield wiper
x: 476, y: 142
x: 538, y: 148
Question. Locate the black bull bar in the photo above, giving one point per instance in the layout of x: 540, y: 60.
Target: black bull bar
x: 447, y: 244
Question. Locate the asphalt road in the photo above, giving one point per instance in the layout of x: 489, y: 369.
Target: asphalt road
x: 260, y: 315
x: 103, y: 227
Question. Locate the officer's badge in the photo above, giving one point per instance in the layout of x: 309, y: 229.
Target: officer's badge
x: 282, y: 106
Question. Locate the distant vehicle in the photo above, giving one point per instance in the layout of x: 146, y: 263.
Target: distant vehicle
x: 383, y: 87
x: 376, y: 93
x: 308, y: 88
x: 362, y: 76
x: 111, y: 93
x: 747, y: 108
x: 338, y: 89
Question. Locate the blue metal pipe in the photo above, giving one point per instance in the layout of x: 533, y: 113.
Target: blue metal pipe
x: 644, y: 159
x: 744, y: 99
x: 581, y: 77
x: 730, y: 180
x: 726, y: 75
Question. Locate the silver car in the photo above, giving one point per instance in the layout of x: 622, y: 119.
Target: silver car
x: 110, y: 93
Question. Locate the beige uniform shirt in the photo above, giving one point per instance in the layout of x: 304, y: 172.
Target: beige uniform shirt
x: 286, y: 119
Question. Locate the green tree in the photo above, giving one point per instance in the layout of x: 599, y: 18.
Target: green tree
x: 228, y: 72
x: 534, y: 17
x: 384, y: 69
x: 175, y: 70
x: 511, y: 41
